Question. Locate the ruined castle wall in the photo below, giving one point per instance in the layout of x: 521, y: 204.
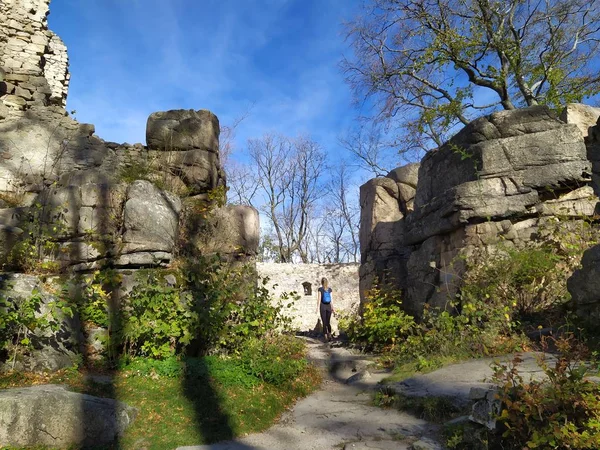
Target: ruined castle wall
x: 305, y: 279
x: 33, y: 58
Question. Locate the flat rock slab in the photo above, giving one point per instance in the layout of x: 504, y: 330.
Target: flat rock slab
x: 51, y: 415
x: 455, y: 381
x: 337, y: 415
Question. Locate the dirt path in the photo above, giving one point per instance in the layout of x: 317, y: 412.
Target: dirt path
x: 338, y: 416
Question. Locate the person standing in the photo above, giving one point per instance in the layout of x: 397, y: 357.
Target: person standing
x: 325, y: 307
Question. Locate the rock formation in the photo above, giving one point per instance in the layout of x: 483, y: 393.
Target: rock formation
x: 52, y: 416
x: 584, y: 284
x: 499, y: 179
x: 80, y: 203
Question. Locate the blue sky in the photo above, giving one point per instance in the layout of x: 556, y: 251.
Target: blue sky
x: 129, y: 58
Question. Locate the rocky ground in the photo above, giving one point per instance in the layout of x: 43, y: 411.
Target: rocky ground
x: 340, y: 415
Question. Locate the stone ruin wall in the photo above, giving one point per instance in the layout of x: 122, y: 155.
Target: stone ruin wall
x: 500, y: 179
x: 305, y: 279
x: 33, y: 58
x: 74, y: 184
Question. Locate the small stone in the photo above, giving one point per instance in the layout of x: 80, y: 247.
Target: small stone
x: 360, y: 376
x: 171, y: 280
x: 14, y: 101
x: 24, y: 93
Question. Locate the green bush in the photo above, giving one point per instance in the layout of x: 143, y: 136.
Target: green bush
x: 93, y: 295
x: 23, y: 318
x: 518, y: 282
x: 158, y: 320
x: 215, y: 308
x: 39, y: 245
x: 558, y: 413
x: 232, y: 307
x: 383, y: 321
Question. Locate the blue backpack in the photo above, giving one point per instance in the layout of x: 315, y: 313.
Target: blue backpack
x: 326, y: 296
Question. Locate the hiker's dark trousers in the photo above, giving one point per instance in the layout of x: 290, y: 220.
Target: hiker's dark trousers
x: 326, y: 317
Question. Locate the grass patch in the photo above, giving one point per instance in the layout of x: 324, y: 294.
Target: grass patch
x: 193, y: 401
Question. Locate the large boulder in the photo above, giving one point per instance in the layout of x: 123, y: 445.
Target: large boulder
x: 384, y: 204
x: 498, y: 180
x: 182, y: 129
x: 52, y: 416
x: 183, y: 145
x: 151, y: 223
x: 408, y: 174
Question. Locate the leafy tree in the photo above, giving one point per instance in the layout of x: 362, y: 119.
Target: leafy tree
x: 431, y: 65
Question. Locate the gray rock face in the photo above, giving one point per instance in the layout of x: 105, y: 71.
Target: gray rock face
x: 181, y: 129
x: 485, y: 407
x: 584, y: 286
x: 150, y: 219
x: 381, y: 219
x: 408, y: 175
x: 495, y: 180
x: 42, y: 144
x: 52, y: 416
x: 385, y: 202
x: 494, y: 168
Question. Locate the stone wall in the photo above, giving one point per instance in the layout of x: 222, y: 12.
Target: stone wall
x: 34, y: 60
x: 499, y: 179
x: 305, y: 279
x: 77, y: 203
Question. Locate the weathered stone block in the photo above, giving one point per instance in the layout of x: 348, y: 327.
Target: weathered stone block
x: 183, y: 130
x: 150, y: 219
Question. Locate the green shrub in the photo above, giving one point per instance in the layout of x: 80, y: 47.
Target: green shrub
x: 216, y: 308
x: 158, y: 320
x: 560, y: 412
x: 23, y: 318
x: 93, y: 295
x: 383, y: 321
x: 232, y: 307
x: 518, y: 282
x: 481, y: 328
